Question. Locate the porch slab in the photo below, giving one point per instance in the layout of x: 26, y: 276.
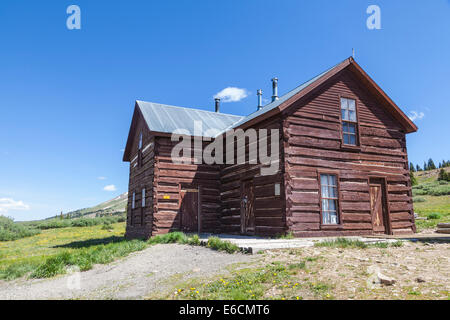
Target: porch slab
x: 254, y: 244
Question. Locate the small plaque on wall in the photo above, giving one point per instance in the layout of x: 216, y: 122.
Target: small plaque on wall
x: 277, y: 189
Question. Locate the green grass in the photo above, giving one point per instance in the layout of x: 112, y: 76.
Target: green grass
x: 49, y: 253
x: 245, y: 284
x: 57, y: 223
x: 350, y: 243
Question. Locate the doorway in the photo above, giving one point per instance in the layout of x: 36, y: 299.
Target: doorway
x: 247, y: 208
x: 189, y: 210
x: 378, y: 206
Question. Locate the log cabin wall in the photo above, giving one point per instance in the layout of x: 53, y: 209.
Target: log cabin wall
x: 269, y: 209
x: 139, y: 218
x: 171, y: 179
x: 312, y: 133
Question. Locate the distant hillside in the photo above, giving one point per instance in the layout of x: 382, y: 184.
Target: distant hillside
x: 429, y: 175
x: 111, y: 207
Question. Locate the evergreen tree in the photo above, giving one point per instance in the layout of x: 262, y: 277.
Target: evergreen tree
x: 411, y: 167
x: 413, y: 179
x: 431, y: 165
x: 418, y: 168
x: 443, y: 175
x: 425, y: 167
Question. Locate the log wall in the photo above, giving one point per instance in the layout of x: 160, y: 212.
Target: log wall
x: 312, y: 133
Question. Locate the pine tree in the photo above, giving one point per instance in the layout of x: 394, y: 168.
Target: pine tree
x: 425, y: 167
x: 442, y: 175
x: 413, y: 179
x: 431, y: 165
x: 418, y: 168
x: 411, y: 167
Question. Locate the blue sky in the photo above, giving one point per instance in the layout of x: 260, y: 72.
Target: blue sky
x: 67, y: 96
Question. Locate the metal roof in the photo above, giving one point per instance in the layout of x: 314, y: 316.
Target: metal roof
x: 167, y: 119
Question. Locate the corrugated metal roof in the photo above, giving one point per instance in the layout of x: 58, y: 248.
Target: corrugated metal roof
x: 167, y: 119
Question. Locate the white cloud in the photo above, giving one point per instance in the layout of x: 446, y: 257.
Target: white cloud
x: 232, y: 94
x: 7, y: 204
x: 101, y: 178
x: 414, y: 115
x: 110, y: 187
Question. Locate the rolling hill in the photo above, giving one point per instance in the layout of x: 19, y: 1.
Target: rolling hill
x: 111, y: 207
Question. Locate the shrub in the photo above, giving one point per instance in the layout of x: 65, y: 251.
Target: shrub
x: 221, y: 245
x: 419, y: 199
x: 10, y: 230
x: 433, y: 216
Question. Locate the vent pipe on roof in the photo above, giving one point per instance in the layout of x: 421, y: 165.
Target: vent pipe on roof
x: 217, y: 104
x: 275, y: 89
x: 259, y: 94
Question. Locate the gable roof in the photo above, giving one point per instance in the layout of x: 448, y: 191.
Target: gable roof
x: 165, y: 119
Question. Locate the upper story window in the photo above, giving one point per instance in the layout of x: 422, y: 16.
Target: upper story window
x: 143, y: 198
x: 349, y: 122
x: 330, y: 199
x: 140, y: 141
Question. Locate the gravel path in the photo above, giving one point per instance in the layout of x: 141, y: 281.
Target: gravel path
x: 139, y: 275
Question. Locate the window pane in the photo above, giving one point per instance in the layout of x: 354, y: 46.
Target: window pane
x: 353, y: 140
x: 351, y: 104
x: 351, y: 127
x: 325, y: 205
x: 323, y: 179
x: 352, y: 116
x: 332, y: 192
x: 344, y: 114
x: 332, y: 205
x: 332, y: 180
x: 344, y: 103
x: 325, y: 191
x: 346, y: 139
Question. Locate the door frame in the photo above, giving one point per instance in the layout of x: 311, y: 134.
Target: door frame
x: 184, y: 188
x: 243, y: 226
x: 385, y: 198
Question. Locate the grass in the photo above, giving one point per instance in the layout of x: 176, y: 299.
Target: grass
x: 49, y: 253
x: 350, y: 243
x: 246, y: 284
x: 57, y: 223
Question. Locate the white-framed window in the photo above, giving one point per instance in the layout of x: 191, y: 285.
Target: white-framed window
x: 140, y: 141
x: 133, y: 201
x: 349, y: 121
x: 330, y: 199
x: 143, y: 198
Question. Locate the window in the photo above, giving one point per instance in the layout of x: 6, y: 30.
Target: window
x: 133, y: 201
x: 349, y: 122
x: 330, y: 199
x: 143, y: 198
x: 140, y: 141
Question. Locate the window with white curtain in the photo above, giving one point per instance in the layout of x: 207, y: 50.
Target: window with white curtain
x: 143, y: 198
x: 330, y: 199
x: 349, y: 121
x: 133, y: 201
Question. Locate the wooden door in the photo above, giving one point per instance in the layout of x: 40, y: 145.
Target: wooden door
x: 247, y: 208
x: 189, y: 210
x: 378, y: 207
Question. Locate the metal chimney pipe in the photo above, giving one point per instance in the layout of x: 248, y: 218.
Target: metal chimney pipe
x: 259, y: 94
x: 275, y: 89
x: 217, y: 104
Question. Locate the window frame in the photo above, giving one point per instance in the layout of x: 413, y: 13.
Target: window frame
x: 356, y: 146
x: 339, y: 225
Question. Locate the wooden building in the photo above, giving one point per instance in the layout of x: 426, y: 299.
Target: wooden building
x: 343, y: 165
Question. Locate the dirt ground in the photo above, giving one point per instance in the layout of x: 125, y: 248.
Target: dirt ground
x: 421, y: 270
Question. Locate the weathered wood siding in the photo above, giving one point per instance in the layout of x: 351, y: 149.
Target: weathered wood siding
x: 171, y: 178
x: 139, y: 219
x: 269, y: 209
x: 312, y: 132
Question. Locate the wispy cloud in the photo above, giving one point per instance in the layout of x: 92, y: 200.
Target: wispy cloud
x: 110, y: 187
x: 232, y: 94
x: 414, y: 115
x: 101, y: 178
x: 7, y: 204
